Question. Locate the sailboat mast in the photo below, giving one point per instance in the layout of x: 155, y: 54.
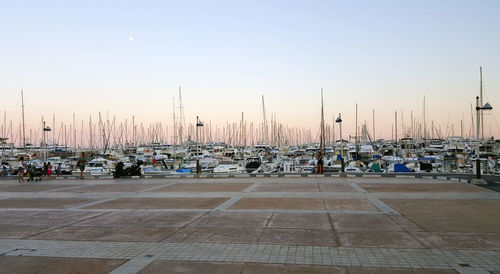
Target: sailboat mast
x: 481, y: 100
x: 356, y: 131
x: 425, y: 131
x: 264, y: 123
x: 322, y: 137
x: 319, y: 168
x: 175, y: 128
x: 22, y: 107
x: 373, y: 122
x: 396, y: 126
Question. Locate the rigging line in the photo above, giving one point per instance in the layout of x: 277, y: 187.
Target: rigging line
x: 496, y: 123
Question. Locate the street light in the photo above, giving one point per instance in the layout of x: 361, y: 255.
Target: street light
x: 339, y: 120
x: 45, y: 129
x: 199, y: 123
x: 3, y: 141
x: 486, y: 106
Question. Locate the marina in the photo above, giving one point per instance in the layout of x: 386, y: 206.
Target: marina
x: 250, y: 137
x: 249, y: 225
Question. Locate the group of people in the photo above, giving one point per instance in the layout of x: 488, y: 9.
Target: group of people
x: 48, y: 168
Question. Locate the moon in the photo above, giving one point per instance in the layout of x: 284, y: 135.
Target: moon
x: 131, y: 39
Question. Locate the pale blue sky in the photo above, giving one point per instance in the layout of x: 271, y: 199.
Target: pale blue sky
x: 76, y: 56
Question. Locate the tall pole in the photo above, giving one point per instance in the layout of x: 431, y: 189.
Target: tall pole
x: 373, y: 117
x: 396, y: 126
x: 356, y: 131
x: 197, y: 139
x: 133, y: 130
x: 478, y: 123
x: 481, y: 100
x: 319, y: 169
x: 342, y: 164
x: 74, y: 133
x: 175, y: 130
x: 22, y: 106
x: 341, y: 140
x: 264, y: 122
x: 4, y: 130
x: 425, y: 131
x: 462, y: 129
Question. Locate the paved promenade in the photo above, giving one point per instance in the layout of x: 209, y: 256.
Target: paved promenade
x: 249, y: 225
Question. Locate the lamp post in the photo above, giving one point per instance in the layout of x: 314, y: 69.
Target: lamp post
x: 45, y: 129
x: 339, y: 120
x: 486, y: 106
x: 198, y: 147
x: 3, y: 141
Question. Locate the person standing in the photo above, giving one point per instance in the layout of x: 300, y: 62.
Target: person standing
x: 45, y: 167
x: 49, y: 171
x: 81, y: 164
x: 59, y: 169
x: 20, y: 169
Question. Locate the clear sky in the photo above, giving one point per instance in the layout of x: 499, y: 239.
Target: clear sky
x: 128, y: 58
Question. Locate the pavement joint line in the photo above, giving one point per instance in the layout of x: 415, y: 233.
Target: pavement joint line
x: 156, y: 187
x: 227, y: 204
x: 251, y: 187
x: 135, y: 264
x: 357, y: 187
x: 385, y: 208
x: 59, y: 189
x: 269, y: 253
x: 90, y: 204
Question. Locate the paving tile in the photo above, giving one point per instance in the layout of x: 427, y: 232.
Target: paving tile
x: 116, y: 219
x: 170, y: 219
x: 300, y: 220
x: 404, y: 222
x: 20, y: 231
x: 379, y: 239
x: 335, y: 187
x: 451, y: 215
x: 204, y: 187
x: 349, y: 204
x: 224, y: 235
x: 248, y: 268
x: 11, y: 264
x: 116, y: 233
x: 316, y: 237
x: 8, y: 216
x: 160, y: 203
x: 42, y: 202
x: 232, y: 219
x: 292, y: 269
x: 287, y: 187
x: 372, y: 270
x: 416, y: 187
x: 117, y: 187
x: 469, y: 241
x: 180, y: 235
x: 32, y: 187
x: 52, y: 218
x: 364, y: 222
x: 280, y: 203
x: 162, y: 266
